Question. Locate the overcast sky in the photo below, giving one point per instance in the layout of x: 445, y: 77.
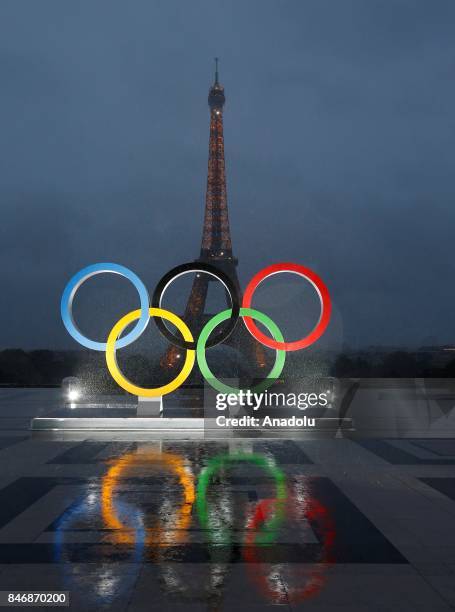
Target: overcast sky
x: 340, y: 152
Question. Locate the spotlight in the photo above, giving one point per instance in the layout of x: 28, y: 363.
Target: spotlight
x: 73, y: 395
x: 72, y: 388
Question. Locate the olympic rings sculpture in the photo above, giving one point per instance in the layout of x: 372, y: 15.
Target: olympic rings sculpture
x: 195, y: 348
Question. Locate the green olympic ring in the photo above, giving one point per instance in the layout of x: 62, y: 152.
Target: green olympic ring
x: 270, y: 527
x: 210, y: 326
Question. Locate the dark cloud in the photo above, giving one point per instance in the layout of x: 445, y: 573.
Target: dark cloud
x: 339, y: 143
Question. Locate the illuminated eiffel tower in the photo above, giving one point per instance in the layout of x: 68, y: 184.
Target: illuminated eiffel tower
x: 216, y: 247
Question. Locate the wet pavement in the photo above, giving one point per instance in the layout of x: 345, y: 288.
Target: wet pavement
x: 138, y: 524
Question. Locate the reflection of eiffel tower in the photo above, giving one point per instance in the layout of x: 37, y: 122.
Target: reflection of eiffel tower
x: 216, y: 247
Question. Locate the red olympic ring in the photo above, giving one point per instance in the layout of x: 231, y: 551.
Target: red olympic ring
x: 324, y: 297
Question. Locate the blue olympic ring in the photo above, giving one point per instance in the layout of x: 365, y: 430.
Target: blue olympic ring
x: 66, y: 304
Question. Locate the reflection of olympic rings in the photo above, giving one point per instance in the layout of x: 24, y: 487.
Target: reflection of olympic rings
x: 168, y: 278
x: 205, y: 333
x: 221, y: 461
x: 73, y: 573
x: 82, y: 510
x: 110, y: 481
x: 321, y: 522
x: 324, y: 299
x: 202, y: 342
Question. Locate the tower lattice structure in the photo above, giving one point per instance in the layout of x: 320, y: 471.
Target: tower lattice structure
x: 216, y: 245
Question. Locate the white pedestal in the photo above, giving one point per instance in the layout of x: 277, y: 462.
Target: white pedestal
x: 150, y: 406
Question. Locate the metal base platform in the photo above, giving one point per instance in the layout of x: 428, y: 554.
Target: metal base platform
x: 183, y: 417
x: 161, y: 428
x: 104, y: 414
x: 117, y: 423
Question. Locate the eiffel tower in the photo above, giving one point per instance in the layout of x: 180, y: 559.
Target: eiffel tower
x: 216, y: 247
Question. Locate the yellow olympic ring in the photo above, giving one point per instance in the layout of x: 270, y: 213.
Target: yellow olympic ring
x: 111, y: 358
x: 156, y: 536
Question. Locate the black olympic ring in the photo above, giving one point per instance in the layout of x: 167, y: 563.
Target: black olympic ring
x: 196, y: 266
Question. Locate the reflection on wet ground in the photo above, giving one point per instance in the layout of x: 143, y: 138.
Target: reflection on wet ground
x: 230, y: 524
x: 336, y: 525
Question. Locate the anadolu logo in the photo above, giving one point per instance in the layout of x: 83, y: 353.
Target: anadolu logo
x: 195, y: 349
